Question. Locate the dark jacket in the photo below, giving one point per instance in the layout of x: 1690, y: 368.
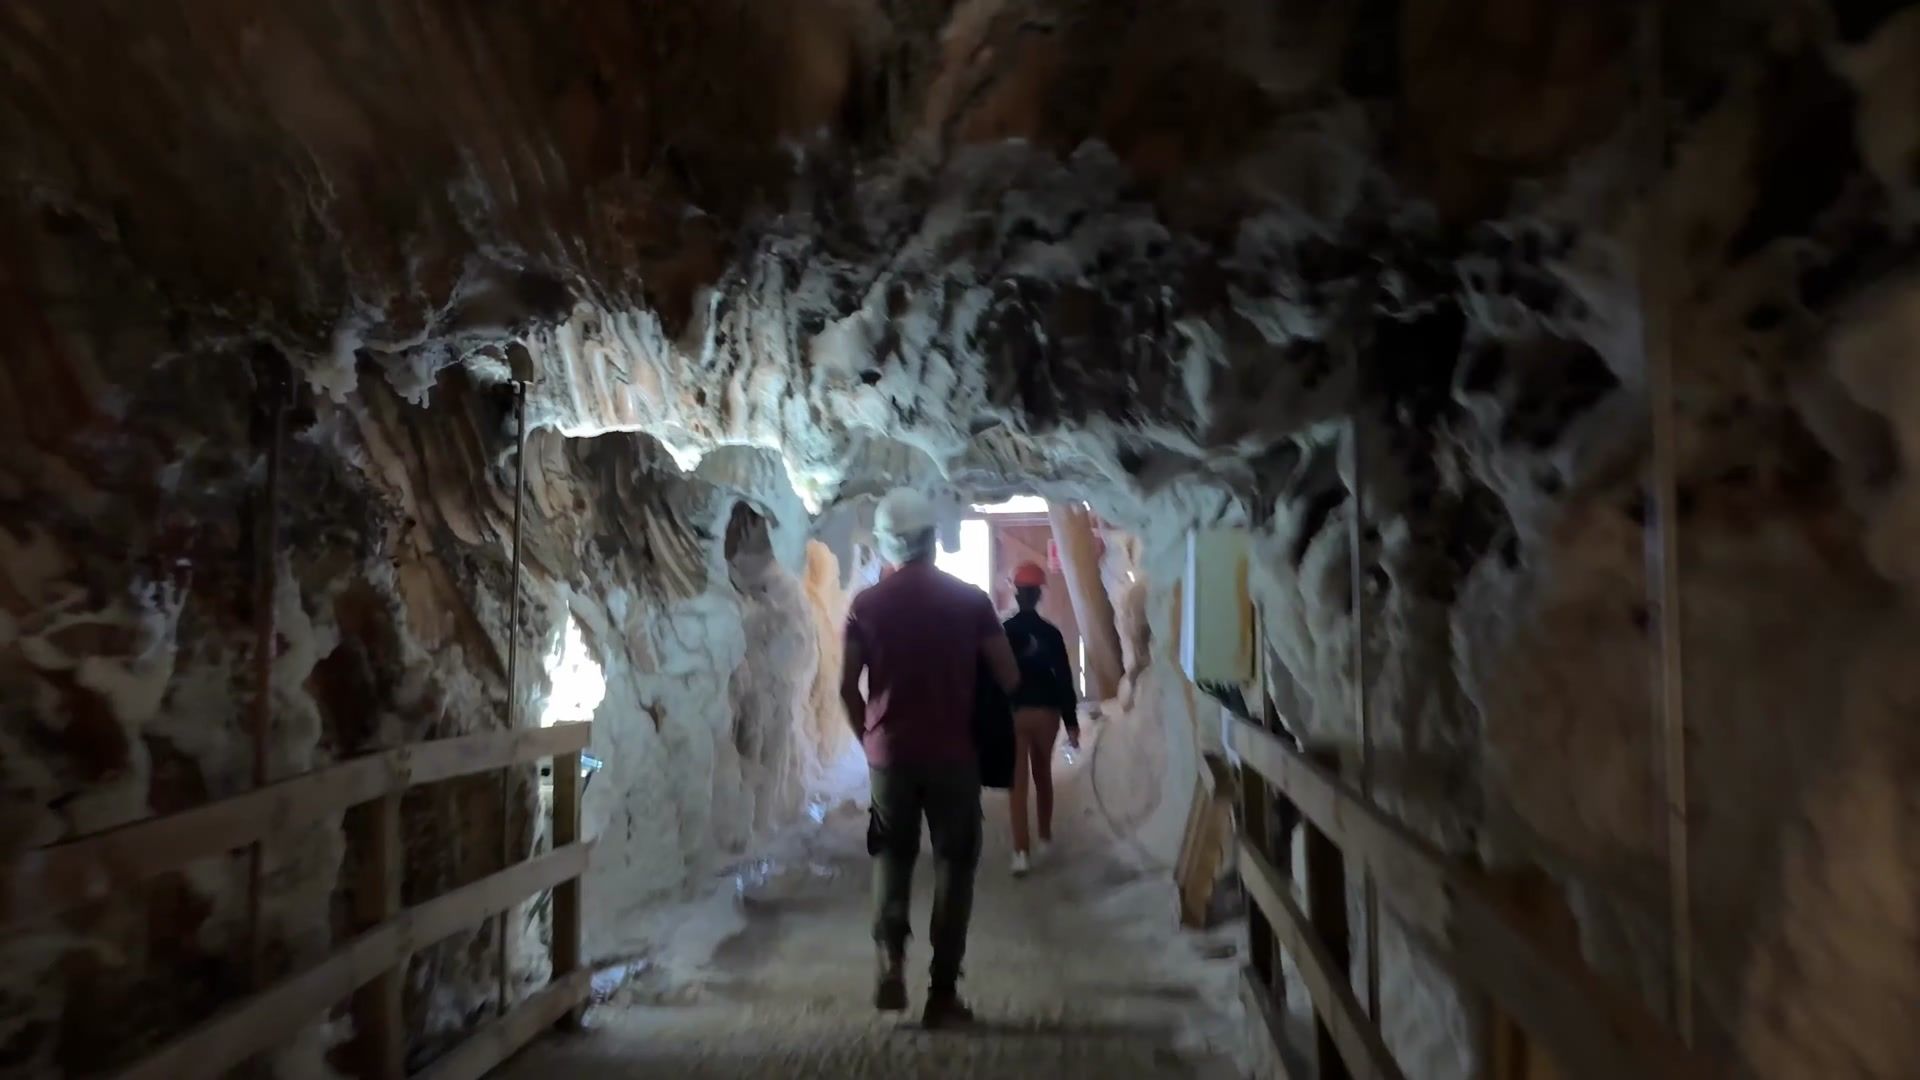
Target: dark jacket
x: 993, y: 742
x: 1046, y: 677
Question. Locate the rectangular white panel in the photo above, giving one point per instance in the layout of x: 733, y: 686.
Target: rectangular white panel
x: 1216, y: 616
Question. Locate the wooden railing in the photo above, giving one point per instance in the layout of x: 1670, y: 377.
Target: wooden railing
x: 369, y: 968
x: 1540, y: 983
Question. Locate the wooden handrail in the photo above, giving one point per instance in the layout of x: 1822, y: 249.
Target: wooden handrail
x: 1546, y: 986
x: 498, y: 1040
x: 1331, y: 988
x: 55, y: 878
x: 46, y: 881
x: 255, y: 1023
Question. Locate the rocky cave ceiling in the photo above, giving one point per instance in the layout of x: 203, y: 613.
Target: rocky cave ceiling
x: 1105, y: 243
x: 1149, y: 252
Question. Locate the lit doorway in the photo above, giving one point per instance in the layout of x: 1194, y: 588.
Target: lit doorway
x: 973, y: 563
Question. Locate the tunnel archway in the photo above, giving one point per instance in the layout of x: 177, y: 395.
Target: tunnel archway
x: 280, y: 284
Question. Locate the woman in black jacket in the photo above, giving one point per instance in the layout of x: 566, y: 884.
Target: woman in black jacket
x: 1044, y: 701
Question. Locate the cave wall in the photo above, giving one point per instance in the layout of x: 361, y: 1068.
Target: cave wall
x: 134, y: 471
x: 1152, y: 256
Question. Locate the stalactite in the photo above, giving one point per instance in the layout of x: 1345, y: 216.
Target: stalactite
x: 1080, y: 564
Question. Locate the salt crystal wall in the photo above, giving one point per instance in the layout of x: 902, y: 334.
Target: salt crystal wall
x: 1150, y: 256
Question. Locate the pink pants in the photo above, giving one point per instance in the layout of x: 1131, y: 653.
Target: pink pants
x: 1034, y: 731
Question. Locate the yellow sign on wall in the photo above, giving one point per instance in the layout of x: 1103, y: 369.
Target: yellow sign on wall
x: 1216, y: 609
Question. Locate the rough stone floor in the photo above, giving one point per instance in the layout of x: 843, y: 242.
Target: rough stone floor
x: 1076, y: 971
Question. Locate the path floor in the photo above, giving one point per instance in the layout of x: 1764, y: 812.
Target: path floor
x: 1078, y: 970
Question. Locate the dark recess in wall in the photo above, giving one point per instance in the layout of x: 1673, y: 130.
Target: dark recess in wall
x: 1371, y: 67
x: 1806, y: 153
x: 1858, y: 19
x: 1319, y: 508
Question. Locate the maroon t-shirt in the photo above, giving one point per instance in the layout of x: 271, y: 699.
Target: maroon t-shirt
x: 920, y: 633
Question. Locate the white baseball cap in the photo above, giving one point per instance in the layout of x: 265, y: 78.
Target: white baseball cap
x: 903, y: 518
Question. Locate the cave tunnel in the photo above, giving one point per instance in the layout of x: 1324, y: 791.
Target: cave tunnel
x: 1465, y: 443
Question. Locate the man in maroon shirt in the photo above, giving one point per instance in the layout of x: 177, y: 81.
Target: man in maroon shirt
x: 920, y: 636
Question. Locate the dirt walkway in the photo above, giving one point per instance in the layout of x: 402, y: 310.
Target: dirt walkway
x: 1077, y: 970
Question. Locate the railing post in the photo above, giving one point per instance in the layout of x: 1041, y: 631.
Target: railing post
x: 1655, y: 250
x: 1260, y: 941
x: 368, y: 967
x: 1270, y: 820
x: 1507, y: 1051
x: 1530, y: 964
x: 1327, y: 911
x: 378, y: 1008
x: 1536, y: 904
x: 1283, y: 819
x: 566, y: 895
x: 271, y: 376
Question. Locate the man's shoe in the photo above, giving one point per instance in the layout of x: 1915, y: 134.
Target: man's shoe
x: 945, y: 1010
x: 1020, y: 864
x: 890, y: 985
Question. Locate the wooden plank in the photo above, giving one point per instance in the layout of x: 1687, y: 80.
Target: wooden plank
x: 1339, y: 1011
x: 1273, y: 1057
x: 256, y: 1023
x: 1272, y: 838
x: 1314, y: 794
x: 1326, y: 885
x: 1253, y: 827
x: 501, y: 1038
x: 1362, y: 718
x: 52, y: 879
x: 566, y: 895
x: 49, y: 880
x: 1510, y: 1054
x: 1210, y: 838
x: 1595, y: 1030
x: 1186, y: 866
x: 270, y: 380
x: 379, y: 1007
x: 1507, y: 1056
x: 444, y: 759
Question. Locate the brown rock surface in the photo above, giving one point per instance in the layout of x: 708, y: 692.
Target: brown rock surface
x: 1145, y: 254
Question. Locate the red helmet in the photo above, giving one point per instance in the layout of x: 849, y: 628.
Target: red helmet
x: 1029, y: 575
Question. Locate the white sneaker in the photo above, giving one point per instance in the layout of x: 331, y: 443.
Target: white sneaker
x: 1020, y: 865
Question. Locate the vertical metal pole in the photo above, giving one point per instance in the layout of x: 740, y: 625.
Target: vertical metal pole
x: 1356, y: 541
x: 1664, y: 545
x: 513, y: 672
x: 271, y: 375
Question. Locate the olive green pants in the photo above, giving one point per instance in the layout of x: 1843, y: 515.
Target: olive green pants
x: 949, y: 798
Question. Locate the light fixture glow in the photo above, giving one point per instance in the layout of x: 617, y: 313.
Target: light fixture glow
x: 1018, y: 504
x: 579, y: 685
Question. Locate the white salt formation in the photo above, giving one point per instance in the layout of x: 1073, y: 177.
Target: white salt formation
x: 765, y: 261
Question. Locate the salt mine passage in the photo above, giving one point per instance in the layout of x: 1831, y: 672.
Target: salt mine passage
x: 977, y: 538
